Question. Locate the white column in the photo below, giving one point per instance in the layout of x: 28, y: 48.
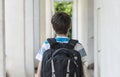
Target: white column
x: 90, y: 31
x: 29, y: 38
x: 97, y: 14
x: 109, y: 39
x: 75, y: 20
x: 48, y: 18
x: 42, y: 21
x: 45, y: 19
x: 52, y: 12
x: 83, y: 22
x: 15, y: 37
x: 2, y: 41
x: 36, y: 29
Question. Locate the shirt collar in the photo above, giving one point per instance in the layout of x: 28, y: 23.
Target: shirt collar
x: 61, y: 37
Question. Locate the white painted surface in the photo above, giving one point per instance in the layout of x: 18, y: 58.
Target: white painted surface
x: 96, y: 40
x: 108, y: 39
x: 48, y: 10
x: 75, y: 20
x: 90, y: 31
x: 83, y: 23
x: 15, y: 38
x: 29, y: 39
x: 42, y: 21
x: 36, y: 30
x: 2, y: 41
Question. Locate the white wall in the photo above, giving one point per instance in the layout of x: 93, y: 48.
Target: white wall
x: 75, y: 19
x: 15, y: 46
x: 29, y: 38
x: 90, y: 31
x: 46, y: 11
x: 42, y: 21
x: 19, y: 38
x: 2, y: 41
x: 108, y: 39
x: 83, y: 23
x: 36, y: 29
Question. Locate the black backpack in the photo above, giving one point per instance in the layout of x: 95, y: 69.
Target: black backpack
x: 61, y: 60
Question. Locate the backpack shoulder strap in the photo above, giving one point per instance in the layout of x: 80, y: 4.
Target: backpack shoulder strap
x: 73, y: 42
x: 51, y: 41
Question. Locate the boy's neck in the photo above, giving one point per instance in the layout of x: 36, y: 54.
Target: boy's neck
x: 62, y: 35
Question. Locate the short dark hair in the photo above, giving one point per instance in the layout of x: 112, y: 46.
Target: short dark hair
x: 61, y: 22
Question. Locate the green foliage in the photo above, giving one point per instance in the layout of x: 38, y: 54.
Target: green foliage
x: 64, y: 7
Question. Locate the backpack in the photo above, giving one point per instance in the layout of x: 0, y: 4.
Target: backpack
x: 61, y: 60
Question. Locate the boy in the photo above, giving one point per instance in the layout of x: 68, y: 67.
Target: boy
x: 61, y: 23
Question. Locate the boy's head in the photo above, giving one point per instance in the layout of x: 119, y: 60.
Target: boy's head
x: 61, y: 22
